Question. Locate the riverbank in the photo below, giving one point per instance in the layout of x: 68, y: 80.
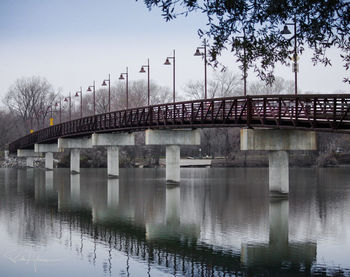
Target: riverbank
x: 240, y: 159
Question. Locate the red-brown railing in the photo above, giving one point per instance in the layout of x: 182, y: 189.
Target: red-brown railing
x: 317, y: 112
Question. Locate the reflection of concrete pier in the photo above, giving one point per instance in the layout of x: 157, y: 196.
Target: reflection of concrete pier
x: 113, y: 192
x: 279, y: 249
x: 172, y: 226
x: 21, y: 179
x: 75, y: 188
x: 49, y: 182
x: 172, y: 205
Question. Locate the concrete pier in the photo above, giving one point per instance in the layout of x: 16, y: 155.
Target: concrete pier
x: 48, y: 149
x: 75, y: 161
x: 172, y: 160
x: 29, y: 154
x: 74, y: 144
x: 279, y: 171
x: 112, y: 142
x: 172, y: 139
x: 278, y: 142
x: 113, y: 161
x: 49, y: 160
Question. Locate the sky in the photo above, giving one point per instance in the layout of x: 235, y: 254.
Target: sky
x: 73, y: 42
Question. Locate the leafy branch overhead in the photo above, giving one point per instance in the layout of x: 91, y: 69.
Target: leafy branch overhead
x: 258, y: 23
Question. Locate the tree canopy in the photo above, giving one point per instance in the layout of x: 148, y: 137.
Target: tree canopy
x: 251, y: 29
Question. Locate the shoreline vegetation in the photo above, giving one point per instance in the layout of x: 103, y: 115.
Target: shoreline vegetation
x: 240, y: 159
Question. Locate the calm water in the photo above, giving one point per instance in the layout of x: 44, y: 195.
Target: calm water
x: 218, y: 222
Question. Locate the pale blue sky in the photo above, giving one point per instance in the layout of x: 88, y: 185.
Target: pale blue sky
x: 73, y: 42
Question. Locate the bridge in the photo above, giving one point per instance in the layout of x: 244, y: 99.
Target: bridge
x: 293, y: 119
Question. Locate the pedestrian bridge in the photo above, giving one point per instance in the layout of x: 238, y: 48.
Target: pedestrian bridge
x: 175, y: 124
x: 320, y: 112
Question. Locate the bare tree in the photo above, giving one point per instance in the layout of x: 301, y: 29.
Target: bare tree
x: 279, y: 86
x: 31, y: 99
x: 8, y: 130
x: 223, y: 84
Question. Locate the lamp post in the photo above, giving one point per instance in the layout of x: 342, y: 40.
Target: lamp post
x: 204, y: 54
x: 167, y: 62
x: 59, y: 104
x: 51, y: 118
x: 109, y: 90
x: 121, y: 77
x: 142, y: 70
x: 81, y: 100
x: 69, y: 100
x: 245, y: 74
x: 93, y: 93
x: 286, y: 31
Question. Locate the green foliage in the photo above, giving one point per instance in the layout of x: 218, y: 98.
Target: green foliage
x: 251, y: 29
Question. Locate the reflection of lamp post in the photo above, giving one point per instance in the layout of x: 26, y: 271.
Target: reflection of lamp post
x: 81, y: 100
x: 109, y: 90
x: 148, y: 80
x: 167, y: 62
x: 69, y: 98
x: 126, y: 86
x: 286, y: 31
x: 204, y: 54
x: 93, y: 91
x: 59, y: 104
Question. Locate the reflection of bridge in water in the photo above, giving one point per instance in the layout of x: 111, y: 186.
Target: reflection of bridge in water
x: 172, y: 229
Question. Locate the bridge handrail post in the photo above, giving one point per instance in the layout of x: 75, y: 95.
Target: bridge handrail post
x: 334, y: 112
x: 296, y: 110
x: 315, y: 112
x: 223, y: 111
x: 279, y: 111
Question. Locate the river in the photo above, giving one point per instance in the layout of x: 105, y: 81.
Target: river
x: 218, y: 222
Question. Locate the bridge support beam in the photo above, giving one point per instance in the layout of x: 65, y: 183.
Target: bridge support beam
x: 48, y: 149
x: 172, y: 139
x: 278, y: 142
x: 74, y: 144
x: 29, y: 154
x: 112, y: 142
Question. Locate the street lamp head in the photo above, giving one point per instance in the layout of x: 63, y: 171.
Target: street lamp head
x: 77, y: 94
x: 167, y: 62
x: 197, y: 53
x: 142, y: 70
x: 285, y: 30
x: 104, y: 83
x: 65, y: 99
x: 121, y: 77
x: 56, y: 104
x: 89, y: 89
